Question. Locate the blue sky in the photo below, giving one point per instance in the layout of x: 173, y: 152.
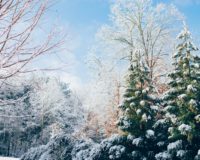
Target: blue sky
x: 84, y: 17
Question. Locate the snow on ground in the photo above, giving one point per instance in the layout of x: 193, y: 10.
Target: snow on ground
x: 8, y: 158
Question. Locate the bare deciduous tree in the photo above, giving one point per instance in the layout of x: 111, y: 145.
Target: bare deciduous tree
x: 104, y: 96
x: 19, y: 22
x: 140, y: 25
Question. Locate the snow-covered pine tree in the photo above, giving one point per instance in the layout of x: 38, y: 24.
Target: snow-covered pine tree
x: 183, y: 100
x: 137, y: 115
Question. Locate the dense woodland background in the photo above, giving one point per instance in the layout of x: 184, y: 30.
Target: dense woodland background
x: 141, y: 101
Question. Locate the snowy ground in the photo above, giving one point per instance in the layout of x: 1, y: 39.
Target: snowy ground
x: 7, y: 158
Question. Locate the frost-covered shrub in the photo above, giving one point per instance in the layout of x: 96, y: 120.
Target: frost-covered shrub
x: 85, y: 150
x: 34, y: 153
x: 119, y: 148
x: 59, y: 148
x: 116, y: 147
x: 179, y: 150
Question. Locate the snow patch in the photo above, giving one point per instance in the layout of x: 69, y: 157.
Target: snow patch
x: 163, y: 156
x: 137, y: 141
x: 175, y: 146
x: 8, y: 158
x: 150, y: 134
x: 184, y: 129
x: 116, y: 151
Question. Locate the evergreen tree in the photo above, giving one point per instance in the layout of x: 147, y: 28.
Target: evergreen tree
x: 137, y: 115
x: 183, y: 100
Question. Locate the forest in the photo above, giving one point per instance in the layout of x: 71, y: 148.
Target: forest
x: 140, y: 97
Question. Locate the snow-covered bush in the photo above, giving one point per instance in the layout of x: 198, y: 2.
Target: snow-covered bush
x: 59, y: 148
x: 85, y: 150
x: 117, y: 147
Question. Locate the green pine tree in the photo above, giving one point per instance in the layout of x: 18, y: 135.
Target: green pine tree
x: 183, y: 97
x: 137, y: 115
